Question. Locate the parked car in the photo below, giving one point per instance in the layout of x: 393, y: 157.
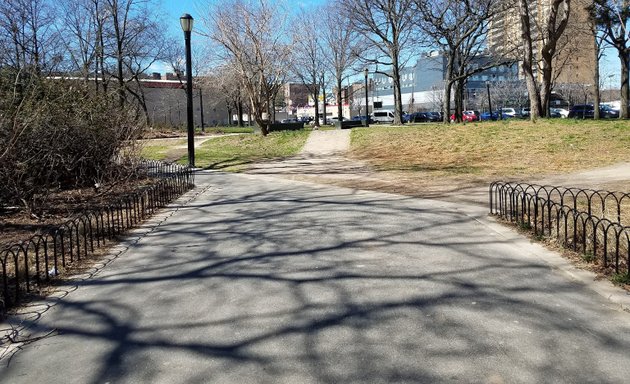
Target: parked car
x: 554, y: 113
x: 507, y: 113
x: 587, y: 111
x: 434, y: 116
x: 335, y: 119
x: 419, y: 117
x: 467, y: 116
x: 582, y: 111
x: 606, y: 112
x: 383, y: 116
x: 559, y: 112
x: 361, y: 118
x: 322, y: 121
x: 485, y: 116
x: 525, y: 112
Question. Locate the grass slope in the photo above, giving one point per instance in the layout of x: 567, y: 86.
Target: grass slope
x: 495, y: 149
x: 233, y: 152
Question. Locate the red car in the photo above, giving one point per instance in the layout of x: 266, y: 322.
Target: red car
x: 467, y: 116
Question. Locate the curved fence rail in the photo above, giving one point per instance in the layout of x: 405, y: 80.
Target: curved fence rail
x: 33, y: 263
x: 589, y: 221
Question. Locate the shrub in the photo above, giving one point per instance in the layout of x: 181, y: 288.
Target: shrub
x: 59, y: 134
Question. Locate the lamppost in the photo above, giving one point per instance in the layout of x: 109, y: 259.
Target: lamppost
x: 489, y: 101
x: 187, y: 24
x: 367, y: 115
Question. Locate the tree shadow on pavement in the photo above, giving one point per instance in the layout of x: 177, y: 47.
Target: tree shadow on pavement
x: 305, y: 284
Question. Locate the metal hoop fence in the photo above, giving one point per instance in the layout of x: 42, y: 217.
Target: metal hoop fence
x: 31, y: 264
x: 593, y: 222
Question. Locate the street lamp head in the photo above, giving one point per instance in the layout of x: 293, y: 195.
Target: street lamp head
x: 365, y: 72
x: 187, y: 22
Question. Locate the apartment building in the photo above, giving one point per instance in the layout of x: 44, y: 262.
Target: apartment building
x: 574, y: 62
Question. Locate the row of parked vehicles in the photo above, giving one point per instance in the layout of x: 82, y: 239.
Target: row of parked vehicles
x: 387, y: 116
x: 578, y: 111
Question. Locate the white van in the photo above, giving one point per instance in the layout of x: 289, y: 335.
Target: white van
x: 383, y: 116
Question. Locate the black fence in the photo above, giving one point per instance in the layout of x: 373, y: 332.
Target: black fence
x: 33, y: 263
x: 589, y: 221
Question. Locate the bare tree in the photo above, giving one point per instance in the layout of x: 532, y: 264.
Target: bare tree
x: 508, y: 93
x: 597, y: 52
x: 79, y: 35
x: 459, y: 29
x: 437, y: 98
x: 389, y: 28
x: 613, y: 17
x: 551, y: 26
x: 576, y: 93
x: 224, y: 80
x: 28, y: 37
x: 308, y: 63
x: 136, y: 41
x: 341, y: 47
x: 28, y: 27
x: 252, y: 36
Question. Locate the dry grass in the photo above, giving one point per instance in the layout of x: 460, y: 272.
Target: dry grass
x: 491, y: 150
x: 162, y: 149
x: 233, y: 153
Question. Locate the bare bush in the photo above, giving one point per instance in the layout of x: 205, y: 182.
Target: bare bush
x: 60, y: 135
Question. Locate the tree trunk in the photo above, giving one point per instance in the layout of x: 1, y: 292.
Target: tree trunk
x: 596, y: 51
x: 239, y: 111
x: 625, y: 87
x: 459, y: 100
x: 142, y: 100
x: 315, y: 97
x: 119, y: 58
x: 323, y: 104
x: 527, y: 63
x: 447, y: 102
x: 397, y: 92
x: 339, y: 101
x: 545, y: 87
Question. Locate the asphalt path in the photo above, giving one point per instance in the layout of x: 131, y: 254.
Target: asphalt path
x: 254, y: 279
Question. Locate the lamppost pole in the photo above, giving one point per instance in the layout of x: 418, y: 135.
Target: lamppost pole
x: 367, y: 114
x: 187, y: 23
x: 489, y: 101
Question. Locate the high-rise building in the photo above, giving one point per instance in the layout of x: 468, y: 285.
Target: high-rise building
x: 574, y: 62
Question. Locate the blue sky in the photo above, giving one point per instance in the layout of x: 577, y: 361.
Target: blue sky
x: 173, y: 9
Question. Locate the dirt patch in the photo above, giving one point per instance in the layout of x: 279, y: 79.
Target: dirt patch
x: 161, y: 134
x: 427, y: 183
x: 18, y: 224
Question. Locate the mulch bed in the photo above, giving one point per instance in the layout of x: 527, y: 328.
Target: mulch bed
x: 18, y: 223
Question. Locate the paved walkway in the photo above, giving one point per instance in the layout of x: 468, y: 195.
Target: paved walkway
x: 323, y: 160
x: 322, y: 143
x: 256, y: 279
x: 260, y: 279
